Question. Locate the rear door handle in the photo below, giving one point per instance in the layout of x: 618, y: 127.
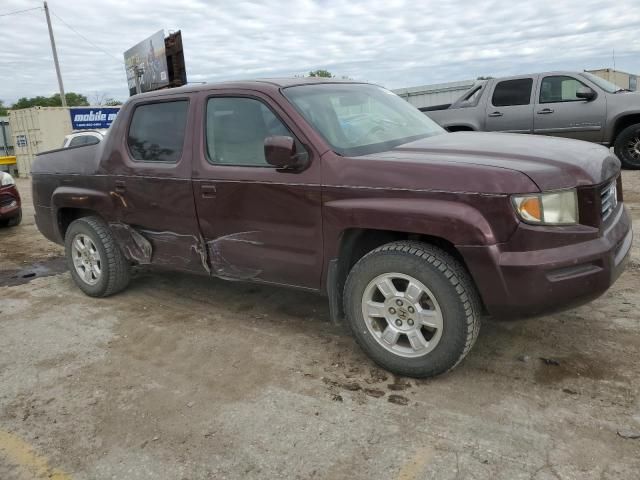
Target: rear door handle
x: 208, y: 191
x: 496, y: 114
x: 545, y: 111
x: 121, y: 186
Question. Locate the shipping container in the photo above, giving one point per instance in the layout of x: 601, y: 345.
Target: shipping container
x: 622, y: 79
x: 6, y: 139
x: 36, y: 130
x: 430, y: 95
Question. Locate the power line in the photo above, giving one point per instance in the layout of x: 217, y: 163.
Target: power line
x: 86, y: 39
x: 19, y: 11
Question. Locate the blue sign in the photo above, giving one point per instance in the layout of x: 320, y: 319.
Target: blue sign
x: 91, y: 118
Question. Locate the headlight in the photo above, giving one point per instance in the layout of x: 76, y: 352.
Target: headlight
x: 6, y: 179
x: 551, y: 208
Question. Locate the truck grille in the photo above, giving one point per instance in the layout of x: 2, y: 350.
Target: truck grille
x: 608, y: 199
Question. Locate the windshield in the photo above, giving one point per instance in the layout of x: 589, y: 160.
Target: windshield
x: 359, y: 119
x: 606, y: 85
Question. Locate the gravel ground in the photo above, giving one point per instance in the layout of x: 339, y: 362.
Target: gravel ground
x: 181, y: 377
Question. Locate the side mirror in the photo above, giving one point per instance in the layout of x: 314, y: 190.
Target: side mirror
x: 586, y: 94
x: 280, y: 151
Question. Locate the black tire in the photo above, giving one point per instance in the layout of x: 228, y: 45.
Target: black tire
x: 450, y: 283
x: 15, y: 221
x: 622, y: 147
x: 115, y: 269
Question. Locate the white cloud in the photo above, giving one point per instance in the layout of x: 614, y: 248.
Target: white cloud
x: 394, y: 43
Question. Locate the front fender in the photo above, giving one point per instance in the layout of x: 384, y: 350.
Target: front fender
x: 460, y: 223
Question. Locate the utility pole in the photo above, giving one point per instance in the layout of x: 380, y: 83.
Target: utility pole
x: 63, y: 99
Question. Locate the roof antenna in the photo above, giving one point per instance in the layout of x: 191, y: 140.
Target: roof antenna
x: 614, y: 59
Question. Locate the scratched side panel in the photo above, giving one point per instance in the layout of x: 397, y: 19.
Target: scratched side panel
x: 162, y: 211
x: 264, y: 231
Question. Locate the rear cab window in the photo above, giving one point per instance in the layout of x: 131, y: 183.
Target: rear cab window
x: 512, y: 92
x: 157, y: 130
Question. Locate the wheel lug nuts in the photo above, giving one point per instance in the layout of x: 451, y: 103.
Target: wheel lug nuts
x: 399, y: 303
x: 399, y: 323
x: 411, y: 310
x: 392, y: 311
x: 410, y: 322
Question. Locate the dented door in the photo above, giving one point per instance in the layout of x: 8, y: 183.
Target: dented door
x: 155, y: 217
x: 258, y: 223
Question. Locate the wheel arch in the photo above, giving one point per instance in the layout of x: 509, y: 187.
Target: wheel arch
x: 459, y: 128
x: 355, y: 243
x: 70, y: 203
x: 623, y: 122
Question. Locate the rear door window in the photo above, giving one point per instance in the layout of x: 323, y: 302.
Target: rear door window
x: 512, y: 92
x: 156, y: 132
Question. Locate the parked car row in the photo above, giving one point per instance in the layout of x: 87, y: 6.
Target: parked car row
x: 561, y: 104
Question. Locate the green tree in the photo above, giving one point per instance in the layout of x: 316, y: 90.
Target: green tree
x: 3, y: 109
x: 73, y: 100
x: 321, y: 73
x: 112, y: 102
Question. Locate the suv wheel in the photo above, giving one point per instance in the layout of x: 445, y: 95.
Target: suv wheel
x: 627, y: 146
x: 412, y: 308
x: 96, y: 263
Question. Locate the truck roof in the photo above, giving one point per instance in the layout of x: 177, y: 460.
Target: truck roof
x: 257, y: 84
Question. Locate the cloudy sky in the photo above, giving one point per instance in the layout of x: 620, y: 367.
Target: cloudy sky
x: 394, y: 43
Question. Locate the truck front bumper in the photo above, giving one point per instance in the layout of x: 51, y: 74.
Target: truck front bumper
x: 533, y: 282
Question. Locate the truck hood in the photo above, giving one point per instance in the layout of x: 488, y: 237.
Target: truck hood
x: 551, y: 163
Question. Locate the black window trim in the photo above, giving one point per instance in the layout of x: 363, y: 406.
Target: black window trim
x: 153, y: 102
x: 531, y: 92
x: 564, y: 101
x: 241, y: 95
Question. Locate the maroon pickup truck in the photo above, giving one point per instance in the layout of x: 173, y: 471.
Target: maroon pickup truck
x: 341, y: 188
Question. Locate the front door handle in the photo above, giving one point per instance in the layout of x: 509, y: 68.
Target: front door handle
x: 496, y: 114
x: 208, y: 191
x: 545, y: 111
x: 120, y: 186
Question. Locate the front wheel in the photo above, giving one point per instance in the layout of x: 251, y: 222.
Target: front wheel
x: 627, y: 146
x: 412, y: 308
x: 95, y: 260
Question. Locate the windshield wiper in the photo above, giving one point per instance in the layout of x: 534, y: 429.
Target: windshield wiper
x: 622, y: 90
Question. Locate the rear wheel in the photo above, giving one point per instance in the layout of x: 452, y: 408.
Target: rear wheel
x: 412, y: 308
x: 96, y: 262
x: 627, y: 146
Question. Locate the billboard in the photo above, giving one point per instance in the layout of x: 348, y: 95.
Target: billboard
x: 83, y: 118
x: 146, y: 65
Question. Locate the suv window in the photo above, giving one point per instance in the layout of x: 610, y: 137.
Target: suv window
x: 156, y: 133
x: 560, y: 89
x: 236, y: 128
x: 512, y: 92
x: 80, y: 140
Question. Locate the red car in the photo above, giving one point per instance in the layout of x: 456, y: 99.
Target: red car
x: 10, y: 205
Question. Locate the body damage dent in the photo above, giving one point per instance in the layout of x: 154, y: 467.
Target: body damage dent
x: 221, y: 267
x: 138, y: 248
x: 134, y: 246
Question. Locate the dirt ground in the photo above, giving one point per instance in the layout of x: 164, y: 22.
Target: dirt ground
x: 181, y: 377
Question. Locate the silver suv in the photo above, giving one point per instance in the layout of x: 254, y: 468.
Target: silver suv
x: 562, y: 104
